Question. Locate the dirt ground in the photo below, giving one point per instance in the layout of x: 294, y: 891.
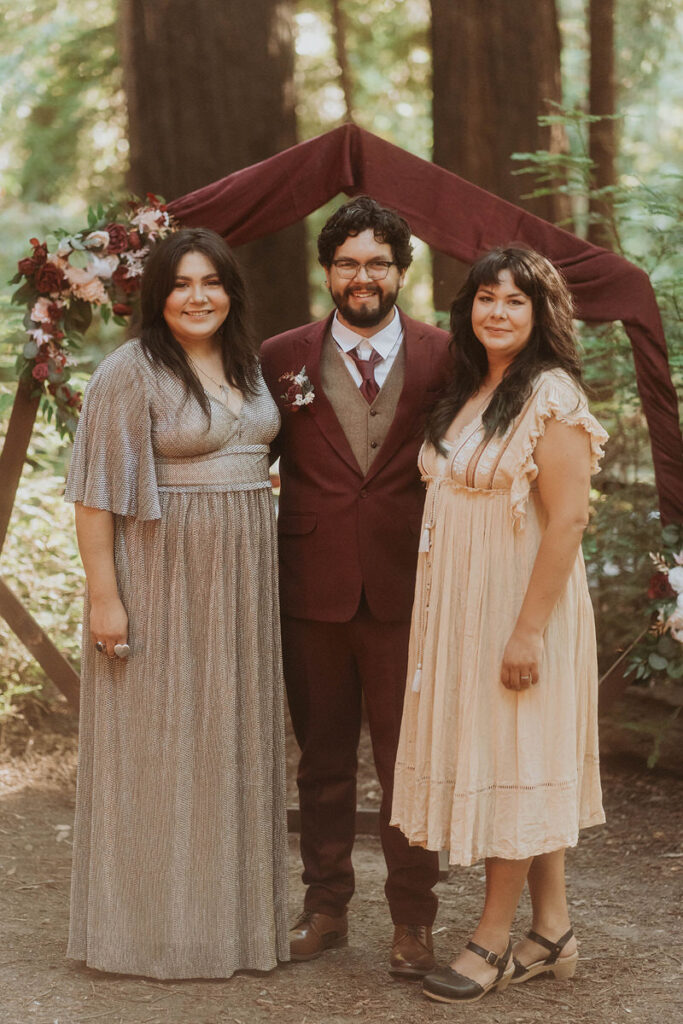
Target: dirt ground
x: 624, y: 887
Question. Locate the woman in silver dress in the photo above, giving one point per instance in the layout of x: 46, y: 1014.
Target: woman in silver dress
x: 180, y: 839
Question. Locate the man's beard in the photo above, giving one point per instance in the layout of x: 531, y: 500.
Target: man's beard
x: 369, y: 317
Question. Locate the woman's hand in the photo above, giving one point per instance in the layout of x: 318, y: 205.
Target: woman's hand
x: 108, y: 623
x: 521, y: 659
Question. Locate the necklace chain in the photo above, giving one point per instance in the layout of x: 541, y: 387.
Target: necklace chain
x: 207, y: 375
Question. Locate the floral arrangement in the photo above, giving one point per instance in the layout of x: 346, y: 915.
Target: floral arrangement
x: 60, y: 286
x: 299, y: 389
x: 660, y: 653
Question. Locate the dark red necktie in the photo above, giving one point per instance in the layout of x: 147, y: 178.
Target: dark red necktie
x: 369, y: 388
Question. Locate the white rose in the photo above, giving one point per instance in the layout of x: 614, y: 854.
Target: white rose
x: 675, y: 624
x: 103, y: 266
x: 96, y: 240
x: 676, y: 578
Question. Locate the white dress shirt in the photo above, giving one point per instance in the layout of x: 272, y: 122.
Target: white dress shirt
x: 387, y: 342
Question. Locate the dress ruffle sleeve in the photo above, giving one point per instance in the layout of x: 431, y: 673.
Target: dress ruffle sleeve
x: 112, y: 466
x: 556, y: 396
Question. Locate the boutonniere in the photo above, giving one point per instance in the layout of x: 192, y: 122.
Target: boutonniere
x: 299, y: 389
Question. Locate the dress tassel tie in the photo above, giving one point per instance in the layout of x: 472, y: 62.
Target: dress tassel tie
x: 417, y: 679
x: 426, y: 539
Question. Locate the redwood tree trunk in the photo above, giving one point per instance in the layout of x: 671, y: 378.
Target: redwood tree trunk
x: 210, y: 90
x: 602, y: 139
x: 496, y: 64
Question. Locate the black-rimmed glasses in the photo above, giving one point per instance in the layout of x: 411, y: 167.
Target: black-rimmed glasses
x: 376, y: 270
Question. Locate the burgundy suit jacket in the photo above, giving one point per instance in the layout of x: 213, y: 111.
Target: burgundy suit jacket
x: 340, y: 532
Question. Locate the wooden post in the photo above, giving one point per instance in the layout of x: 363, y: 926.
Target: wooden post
x: 39, y: 644
x: 12, y: 459
x: 14, y: 450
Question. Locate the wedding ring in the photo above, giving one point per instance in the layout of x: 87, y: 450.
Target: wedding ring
x: 521, y: 677
x: 121, y: 650
x: 100, y: 646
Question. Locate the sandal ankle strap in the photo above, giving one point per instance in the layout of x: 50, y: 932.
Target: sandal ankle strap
x: 490, y: 957
x: 555, y: 948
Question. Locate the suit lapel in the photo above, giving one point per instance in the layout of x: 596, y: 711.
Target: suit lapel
x: 321, y: 408
x: 417, y: 371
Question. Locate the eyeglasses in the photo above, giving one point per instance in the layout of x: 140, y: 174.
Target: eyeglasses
x: 376, y: 270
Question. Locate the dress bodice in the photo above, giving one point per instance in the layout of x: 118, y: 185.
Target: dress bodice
x: 504, y: 463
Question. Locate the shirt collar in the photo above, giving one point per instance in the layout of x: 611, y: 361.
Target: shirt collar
x: 383, y: 342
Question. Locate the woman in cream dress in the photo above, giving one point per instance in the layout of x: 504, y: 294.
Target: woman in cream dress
x: 180, y: 856
x: 498, y: 757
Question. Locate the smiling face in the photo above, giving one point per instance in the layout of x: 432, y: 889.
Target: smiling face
x: 502, y: 319
x: 197, y: 304
x: 364, y: 305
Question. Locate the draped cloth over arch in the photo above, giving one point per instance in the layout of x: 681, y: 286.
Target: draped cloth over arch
x: 461, y: 220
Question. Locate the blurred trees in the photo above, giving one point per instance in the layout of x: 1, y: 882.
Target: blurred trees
x: 602, y: 137
x: 496, y: 67
x: 209, y: 90
x: 64, y: 143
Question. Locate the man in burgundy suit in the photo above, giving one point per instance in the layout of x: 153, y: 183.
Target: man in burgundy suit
x: 353, y: 391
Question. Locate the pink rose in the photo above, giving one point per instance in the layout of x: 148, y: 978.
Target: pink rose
x: 40, y: 371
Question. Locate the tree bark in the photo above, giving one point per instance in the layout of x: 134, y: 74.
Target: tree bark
x: 496, y: 65
x: 602, y: 135
x: 339, y: 27
x: 210, y: 89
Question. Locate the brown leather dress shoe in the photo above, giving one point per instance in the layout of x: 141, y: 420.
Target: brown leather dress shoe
x: 412, y: 954
x: 314, y: 933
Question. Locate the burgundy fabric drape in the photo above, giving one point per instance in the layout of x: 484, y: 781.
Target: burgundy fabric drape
x: 461, y: 220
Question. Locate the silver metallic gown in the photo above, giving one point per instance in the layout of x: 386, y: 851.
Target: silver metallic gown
x: 180, y: 854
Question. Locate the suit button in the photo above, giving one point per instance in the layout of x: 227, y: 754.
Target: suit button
x: 373, y: 444
x: 363, y: 493
x: 373, y: 412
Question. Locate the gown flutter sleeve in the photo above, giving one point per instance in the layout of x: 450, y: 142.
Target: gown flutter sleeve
x: 112, y: 465
x: 556, y: 397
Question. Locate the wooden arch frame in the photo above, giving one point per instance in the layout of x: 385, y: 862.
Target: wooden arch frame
x: 448, y: 213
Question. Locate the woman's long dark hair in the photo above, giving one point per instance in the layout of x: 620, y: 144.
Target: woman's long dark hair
x: 552, y: 342
x: 237, y: 340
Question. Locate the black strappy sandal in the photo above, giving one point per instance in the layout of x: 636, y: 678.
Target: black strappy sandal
x: 448, y: 986
x: 560, y: 967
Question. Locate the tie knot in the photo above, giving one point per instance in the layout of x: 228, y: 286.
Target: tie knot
x: 369, y: 388
x: 366, y: 367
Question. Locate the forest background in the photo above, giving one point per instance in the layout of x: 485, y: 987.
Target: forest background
x: 569, y: 108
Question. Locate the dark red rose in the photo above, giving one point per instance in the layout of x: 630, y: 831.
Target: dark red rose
x: 659, y: 588
x: 27, y: 266
x: 49, y: 278
x: 125, y: 283
x: 118, y: 238
x: 40, y: 371
x: 121, y: 309
x: 134, y: 239
x: 54, y: 311
x: 292, y: 392
x: 39, y: 251
x: 74, y: 400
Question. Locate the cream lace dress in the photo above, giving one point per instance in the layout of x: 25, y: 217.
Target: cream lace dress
x: 180, y: 845
x: 483, y: 771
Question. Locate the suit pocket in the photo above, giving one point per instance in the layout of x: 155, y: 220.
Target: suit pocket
x: 293, y: 523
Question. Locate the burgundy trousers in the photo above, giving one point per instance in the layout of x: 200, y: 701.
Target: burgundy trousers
x: 329, y: 667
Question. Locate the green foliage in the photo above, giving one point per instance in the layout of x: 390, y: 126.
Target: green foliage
x: 389, y: 63
x: 62, y: 103
x: 40, y: 563
x: 645, y: 224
